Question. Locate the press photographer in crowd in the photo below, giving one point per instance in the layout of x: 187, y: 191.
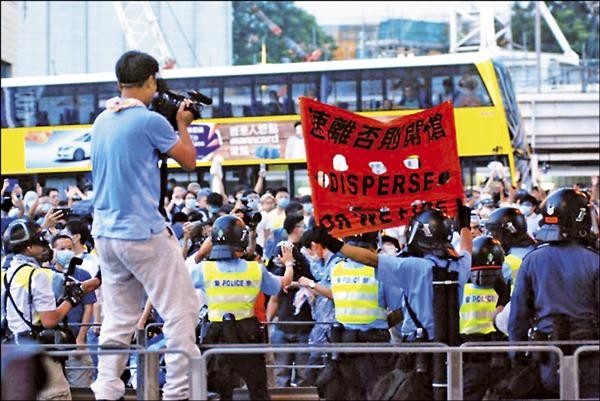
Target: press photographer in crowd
x: 30, y: 308
x: 137, y: 251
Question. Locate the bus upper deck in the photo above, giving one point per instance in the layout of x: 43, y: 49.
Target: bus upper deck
x: 252, y: 117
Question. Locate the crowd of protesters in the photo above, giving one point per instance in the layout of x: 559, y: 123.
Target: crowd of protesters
x: 192, y: 210
x: 256, y: 258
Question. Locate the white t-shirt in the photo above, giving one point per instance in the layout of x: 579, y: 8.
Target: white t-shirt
x: 91, y: 264
x: 41, y: 288
x: 294, y: 148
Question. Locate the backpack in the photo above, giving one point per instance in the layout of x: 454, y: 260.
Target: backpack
x: 401, y: 385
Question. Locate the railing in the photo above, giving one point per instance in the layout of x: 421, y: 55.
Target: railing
x: 148, y: 364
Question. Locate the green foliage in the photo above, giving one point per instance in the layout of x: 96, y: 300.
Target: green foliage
x: 249, y: 32
x: 575, y: 18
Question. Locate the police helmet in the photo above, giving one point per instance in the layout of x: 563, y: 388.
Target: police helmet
x: 20, y: 234
x: 229, y: 234
x: 566, y: 215
x: 365, y: 240
x: 509, y: 226
x: 487, y: 260
x: 430, y: 229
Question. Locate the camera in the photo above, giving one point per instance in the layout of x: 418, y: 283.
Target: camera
x: 167, y: 102
x: 251, y: 217
x: 66, y: 211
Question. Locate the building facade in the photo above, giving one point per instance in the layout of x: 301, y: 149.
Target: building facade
x: 86, y: 36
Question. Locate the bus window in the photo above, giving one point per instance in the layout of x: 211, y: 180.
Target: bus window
x: 339, y: 89
x: 372, y: 94
x: 65, y: 104
x: 272, y: 94
x: 472, y: 91
x: 301, y: 185
x: 20, y: 106
x: 305, y: 85
x: 237, y: 97
x: 444, y: 85
x: 106, y: 90
x: 406, y: 89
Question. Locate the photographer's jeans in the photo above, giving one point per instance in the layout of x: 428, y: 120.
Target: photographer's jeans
x: 156, y: 266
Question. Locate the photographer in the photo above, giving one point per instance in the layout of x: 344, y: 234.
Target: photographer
x: 30, y: 306
x: 137, y: 251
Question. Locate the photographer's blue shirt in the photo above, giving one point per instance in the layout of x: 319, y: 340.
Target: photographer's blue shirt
x: 125, y: 149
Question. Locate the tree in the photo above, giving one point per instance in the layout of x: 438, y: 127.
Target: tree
x: 249, y: 32
x: 578, y: 21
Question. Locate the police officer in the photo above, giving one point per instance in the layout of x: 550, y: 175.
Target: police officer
x: 558, y: 287
x: 429, y: 253
x: 484, y: 295
x: 361, y: 302
x: 509, y: 226
x: 232, y: 285
x: 28, y: 299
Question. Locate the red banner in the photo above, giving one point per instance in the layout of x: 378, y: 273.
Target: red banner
x: 367, y: 175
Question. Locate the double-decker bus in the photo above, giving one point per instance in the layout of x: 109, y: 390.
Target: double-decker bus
x: 251, y: 121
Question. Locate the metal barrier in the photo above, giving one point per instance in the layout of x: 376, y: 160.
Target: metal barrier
x: 199, y: 389
x: 148, y: 383
x: 569, y: 365
x: 149, y: 389
x: 579, y: 351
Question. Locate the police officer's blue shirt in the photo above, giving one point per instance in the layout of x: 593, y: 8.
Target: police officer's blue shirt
x: 520, y: 253
x: 323, y: 310
x: 554, y: 279
x: 414, y: 276
x: 126, y: 177
x: 270, y: 283
x: 390, y: 297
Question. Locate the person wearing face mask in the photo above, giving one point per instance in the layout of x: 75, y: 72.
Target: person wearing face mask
x: 30, y: 305
x: 80, y: 316
x: 214, y: 203
x: 528, y: 205
x: 266, y: 204
x: 321, y: 261
x: 307, y: 205
x: 44, y: 206
x: 79, y: 232
x: 389, y: 246
x: 177, y: 202
x: 190, y: 203
x: 277, y: 215
x: 291, y: 304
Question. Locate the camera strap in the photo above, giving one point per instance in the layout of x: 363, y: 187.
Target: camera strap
x: 412, y: 313
x: 7, y: 284
x: 163, y: 185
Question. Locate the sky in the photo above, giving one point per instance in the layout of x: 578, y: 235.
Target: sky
x: 352, y: 12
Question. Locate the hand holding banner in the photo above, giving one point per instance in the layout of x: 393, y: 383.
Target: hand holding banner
x: 366, y: 174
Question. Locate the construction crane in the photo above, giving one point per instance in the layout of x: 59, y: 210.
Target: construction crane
x: 277, y: 31
x: 142, y: 31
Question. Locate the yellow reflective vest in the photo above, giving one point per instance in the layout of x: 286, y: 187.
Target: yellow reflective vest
x: 515, y: 263
x: 22, y: 279
x: 356, y: 295
x: 231, y: 292
x: 477, y: 310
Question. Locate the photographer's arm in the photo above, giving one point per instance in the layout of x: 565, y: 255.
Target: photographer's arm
x: 50, y: 319
x: 184, y: 151
x: 251, y: 248
x: 204, y: 250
